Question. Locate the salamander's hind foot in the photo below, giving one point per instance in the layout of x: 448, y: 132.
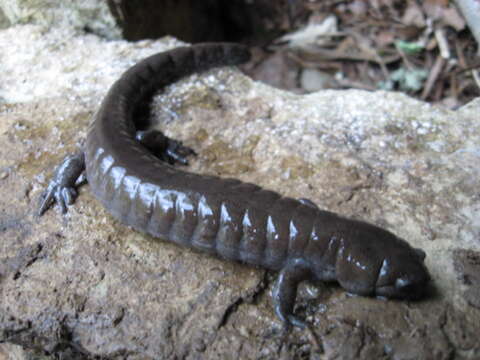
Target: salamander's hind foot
x: 285, y: 292
x: 166, y: 149
x: 61, y: 188
x: 177, y: 152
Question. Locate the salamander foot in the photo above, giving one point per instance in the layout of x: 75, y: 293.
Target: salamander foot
x: 285, y: 292
x: 166, y: 149
x: 61, y: 188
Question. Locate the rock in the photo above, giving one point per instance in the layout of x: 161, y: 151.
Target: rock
x: 84, y: 285
x: 78, y: 15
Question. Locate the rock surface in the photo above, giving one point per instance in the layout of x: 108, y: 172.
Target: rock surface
x: 77, y: 15
x: 84, y: 285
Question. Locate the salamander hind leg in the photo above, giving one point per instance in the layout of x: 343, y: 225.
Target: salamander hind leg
x: 285, y: 291
x: 61, y: 188
x: 166, y: 149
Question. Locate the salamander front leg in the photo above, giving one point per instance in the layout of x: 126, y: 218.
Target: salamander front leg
x: 61, y: 188
x: 285, y: 291
x: 166, y: 149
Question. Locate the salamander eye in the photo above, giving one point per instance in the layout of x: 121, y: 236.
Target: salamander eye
x: 402, y: 283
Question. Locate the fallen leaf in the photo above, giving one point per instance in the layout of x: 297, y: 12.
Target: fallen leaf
x: 414, y: 16
x: 312, y: 34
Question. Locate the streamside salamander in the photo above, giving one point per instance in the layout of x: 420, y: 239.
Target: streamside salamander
x: 130, y: 171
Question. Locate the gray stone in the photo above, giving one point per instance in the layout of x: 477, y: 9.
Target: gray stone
x: 83, y: 284
x: 79, y: 15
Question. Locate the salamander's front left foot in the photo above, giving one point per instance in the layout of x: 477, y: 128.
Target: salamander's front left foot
x: 61, y: 188
x: 166, y: 149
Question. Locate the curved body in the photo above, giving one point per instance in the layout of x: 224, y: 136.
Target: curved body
x: 229, y: 218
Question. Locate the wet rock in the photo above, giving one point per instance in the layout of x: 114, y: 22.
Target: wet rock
x: 83, y: 285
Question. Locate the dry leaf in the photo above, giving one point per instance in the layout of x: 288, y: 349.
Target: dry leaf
x: 312, y: 34
x: 447, y: 15
x: 453, y: 18
x: 413, y: 16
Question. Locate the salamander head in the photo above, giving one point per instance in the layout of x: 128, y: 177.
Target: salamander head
x: 403, y: 274
x: 372, y: 261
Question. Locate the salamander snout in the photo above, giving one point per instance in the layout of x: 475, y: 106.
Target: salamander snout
x: 403, y: 277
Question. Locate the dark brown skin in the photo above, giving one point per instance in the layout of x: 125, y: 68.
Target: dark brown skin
x: 131, y: 173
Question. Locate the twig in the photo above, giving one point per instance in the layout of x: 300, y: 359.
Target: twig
x: 442, y: 43
x: 433, y: 76
x: 462, y: 63
x: 468, y: 68
x: 319, y: 54
x: 453, y: 86
x: 476, y: 76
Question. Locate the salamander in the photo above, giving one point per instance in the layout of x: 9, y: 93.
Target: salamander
x: 131, y: 171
